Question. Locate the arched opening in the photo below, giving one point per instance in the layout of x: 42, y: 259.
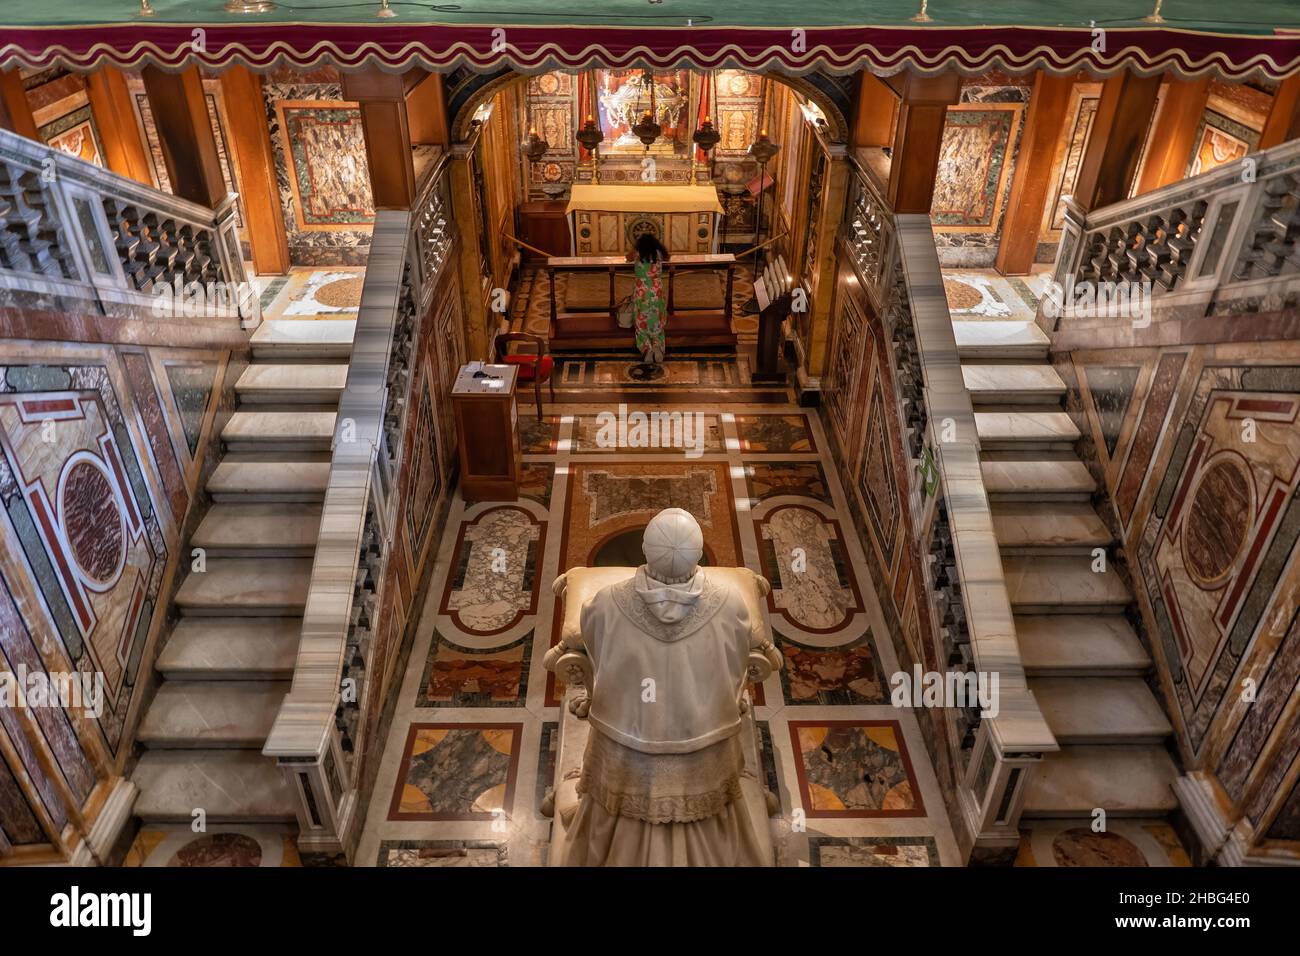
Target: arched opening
x: 537, y: 192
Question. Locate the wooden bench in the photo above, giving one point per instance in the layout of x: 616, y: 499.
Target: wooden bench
x: 698, y: 290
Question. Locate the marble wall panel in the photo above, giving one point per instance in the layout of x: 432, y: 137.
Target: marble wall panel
x: 977, y: 161
x: 424, y: 489
x: 316, y: 138
x: 76, y: 497
x: 1205, y: 482
x: 96, y: 482
x: 859, y: 410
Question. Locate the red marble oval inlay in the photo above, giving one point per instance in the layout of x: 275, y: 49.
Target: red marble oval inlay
x: 219, y: 849
x: 1218, y: 522
x: 92, y: 522
x: 1079, y: 846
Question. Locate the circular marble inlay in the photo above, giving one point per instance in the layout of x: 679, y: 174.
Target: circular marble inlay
x: 1218, y: 522
x: 341, y: 293
x: 219, y: 849
x: 92, y: 522
x: 647, y: 372
x: 960, y: 295
x: 1079, y: 846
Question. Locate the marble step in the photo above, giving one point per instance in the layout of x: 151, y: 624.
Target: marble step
x: 1088, y: 645
x: 278, y: 339
x: 1100, y: 710
x: 242, y: 587
x: 1062, y: 584
x: 230, y: 786
x: 1040, y: 431
x: 231, y: 648
x: 265, y: 481
x: 295, y: 383
x: 1124, y: 781
x: 1000, y: 340
x: 1048, y: 527
x: 191, y: 714
x: 258, y: 529
x: 279, y: 431
x: 1013, y: 384
x: 1037, y: 479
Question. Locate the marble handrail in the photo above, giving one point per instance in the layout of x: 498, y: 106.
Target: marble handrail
x: 358, y: 468
x: 1019, y: 726
x: 74, y: 231
x: 319, y: 734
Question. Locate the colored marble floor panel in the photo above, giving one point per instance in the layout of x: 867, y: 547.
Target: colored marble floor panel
x: 458, y: 676
x: 844, y: 675
x: 872, y: 851
x: 457, y: 771
x: 854, y: 769
x: 441, y: 853
x: 775, y: 433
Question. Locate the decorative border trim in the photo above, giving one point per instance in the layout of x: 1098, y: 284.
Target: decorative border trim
x: 531, y: 48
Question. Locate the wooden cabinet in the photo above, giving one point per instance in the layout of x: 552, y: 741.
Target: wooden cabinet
x: 487, y: 432
x: 542, y: 223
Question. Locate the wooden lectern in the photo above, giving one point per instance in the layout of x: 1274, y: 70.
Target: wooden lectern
x: 483, y: 399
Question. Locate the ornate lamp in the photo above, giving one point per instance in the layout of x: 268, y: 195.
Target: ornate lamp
x: 145, y: 10
x: 707, y: 136
x: 763, y: 149
x: 591, y: 135
x: 647, y: 129
x: 535, y: 147
x: 385, y: 11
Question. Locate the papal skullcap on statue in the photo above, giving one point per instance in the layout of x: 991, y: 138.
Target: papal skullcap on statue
x: 672, y: 544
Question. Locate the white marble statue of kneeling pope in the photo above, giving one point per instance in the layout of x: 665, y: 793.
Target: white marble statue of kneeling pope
x: 661, y: 777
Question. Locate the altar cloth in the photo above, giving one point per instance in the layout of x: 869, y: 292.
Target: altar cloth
x: 614, y: 197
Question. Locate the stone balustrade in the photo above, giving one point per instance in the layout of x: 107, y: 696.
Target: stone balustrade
x: 76, y: 236
x: 1222, y: 243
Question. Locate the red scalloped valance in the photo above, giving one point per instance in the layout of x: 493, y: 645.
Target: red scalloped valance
x: 883, y: 50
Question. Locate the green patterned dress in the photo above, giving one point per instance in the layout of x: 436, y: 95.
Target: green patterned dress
x: 651, y: 311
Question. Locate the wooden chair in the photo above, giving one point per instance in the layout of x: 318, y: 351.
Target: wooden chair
x: 535, y: 367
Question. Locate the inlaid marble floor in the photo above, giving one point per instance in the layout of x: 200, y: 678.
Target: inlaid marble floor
x: 312, y: 293
x: 471, y: 750
x: 975, y: 294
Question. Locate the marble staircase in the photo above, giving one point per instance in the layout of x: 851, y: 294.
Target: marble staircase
x: 228, y: 660
x: 1085, y: 664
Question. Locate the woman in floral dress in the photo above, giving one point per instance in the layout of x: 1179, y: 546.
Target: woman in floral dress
x: 649, y: 307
